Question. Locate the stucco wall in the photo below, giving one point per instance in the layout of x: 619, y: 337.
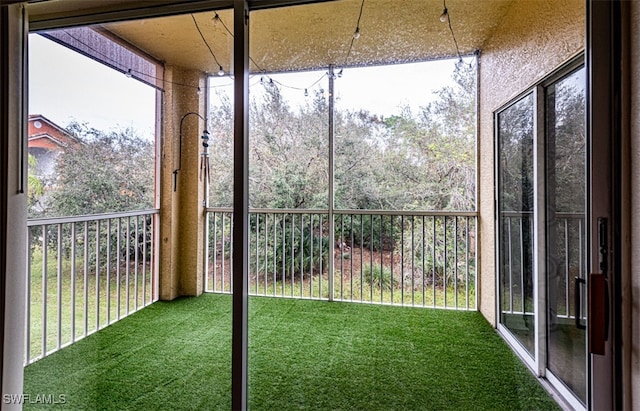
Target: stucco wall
x: 182, y: 216
x: 533, y: 39
x: 634, y: 294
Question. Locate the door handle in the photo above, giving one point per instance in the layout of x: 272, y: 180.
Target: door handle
x: 577, y: 299
x: 598, y: 317
x: 598, y: 313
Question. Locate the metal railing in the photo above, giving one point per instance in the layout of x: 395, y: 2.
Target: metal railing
x: 387, y: 257
x: 84, y: 273
x: 516, y: 249
x: 517, y: 261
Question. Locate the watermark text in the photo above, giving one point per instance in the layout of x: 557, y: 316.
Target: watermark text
x: 50, y: 399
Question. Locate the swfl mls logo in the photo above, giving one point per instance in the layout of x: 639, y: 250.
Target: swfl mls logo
x: 34, y: 399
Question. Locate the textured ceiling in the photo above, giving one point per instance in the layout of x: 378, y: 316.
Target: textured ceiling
x: 317, y: 35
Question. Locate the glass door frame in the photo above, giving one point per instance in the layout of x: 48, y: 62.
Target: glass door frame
x: 526, y: 357
x: 576, y: 64
x: 538, y: 361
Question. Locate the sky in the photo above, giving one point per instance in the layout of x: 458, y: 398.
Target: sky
x: 65, y: 86
x: 382, y: 90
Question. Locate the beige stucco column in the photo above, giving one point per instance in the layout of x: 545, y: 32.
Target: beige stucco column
x: 182, y: 215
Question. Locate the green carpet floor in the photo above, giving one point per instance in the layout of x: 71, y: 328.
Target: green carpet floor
x: 303, y: 355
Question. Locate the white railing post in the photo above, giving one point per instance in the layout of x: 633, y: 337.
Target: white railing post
x: 97, y: 261
x: 435, y: 235
x: 332, y: 240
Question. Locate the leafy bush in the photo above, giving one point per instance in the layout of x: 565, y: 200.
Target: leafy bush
x: 374, y: 232
x: 427, y: 251
x: 289, y: 244
x: 379, y: 277
x: 103, y: 172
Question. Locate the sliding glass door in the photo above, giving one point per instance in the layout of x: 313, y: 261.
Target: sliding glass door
x: 515, y: 125
x: 541, y: 197
x: 565, y: 178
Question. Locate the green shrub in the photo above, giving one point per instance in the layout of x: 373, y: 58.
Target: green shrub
x: 374, y: 232
x: 379, y: 277
x: 290, y: 247
x: 438, y: 258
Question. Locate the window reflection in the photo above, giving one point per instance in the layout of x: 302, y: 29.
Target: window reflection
x: 516, y: 201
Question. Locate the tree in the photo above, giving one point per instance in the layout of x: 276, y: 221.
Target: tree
x: 423, y: 161
x: 288, y: 152
x: 405, y: 162
x: 221, y: 152
x: 515, y: 139
x: 35, y: 189
x: 104, y: 172
x: 566, y: 147
x: 448, y: 146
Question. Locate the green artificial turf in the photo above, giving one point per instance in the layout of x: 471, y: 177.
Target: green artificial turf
x: 303, y: 355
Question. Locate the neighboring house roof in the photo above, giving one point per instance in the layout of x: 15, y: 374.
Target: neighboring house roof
x: 44, y: 133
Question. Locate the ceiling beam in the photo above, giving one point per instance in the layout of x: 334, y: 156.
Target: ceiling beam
x: 58, y: 14
x: 268, y: 4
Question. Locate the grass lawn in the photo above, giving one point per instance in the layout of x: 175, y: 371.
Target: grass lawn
x: 125, y: 291
x: 303, y: 355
